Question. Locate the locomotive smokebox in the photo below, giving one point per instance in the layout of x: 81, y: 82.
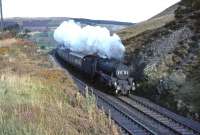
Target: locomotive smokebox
x: 122, y: 72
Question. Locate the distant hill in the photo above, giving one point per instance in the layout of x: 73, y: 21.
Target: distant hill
x: 60, y: 19
x: 43, y: 23
x: 90, y: 22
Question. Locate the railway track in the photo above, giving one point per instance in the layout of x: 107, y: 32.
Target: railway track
x: 138, y: 116
x: 158, y: 121
x: 119, y: 114
x: 170, y: 119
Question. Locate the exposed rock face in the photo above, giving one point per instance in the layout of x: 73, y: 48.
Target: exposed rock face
x: 166, y: 61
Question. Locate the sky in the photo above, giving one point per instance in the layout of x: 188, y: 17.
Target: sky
x: 118, y: 10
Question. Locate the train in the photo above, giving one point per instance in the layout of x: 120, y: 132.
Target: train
x: 110, y: 72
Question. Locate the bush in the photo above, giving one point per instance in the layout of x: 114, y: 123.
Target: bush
x: 194, y: 4
x: 12, y: 28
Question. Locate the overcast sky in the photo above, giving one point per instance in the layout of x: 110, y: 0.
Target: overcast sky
x: 120, y: 10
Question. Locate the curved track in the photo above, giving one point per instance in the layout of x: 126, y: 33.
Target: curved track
x: 119, y: 114
x: 175, y: 122
x: 139, y: 116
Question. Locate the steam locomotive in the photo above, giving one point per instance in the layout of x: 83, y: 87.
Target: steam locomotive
x: 111, y: 72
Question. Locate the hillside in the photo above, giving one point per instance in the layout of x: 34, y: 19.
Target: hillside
x: 158, y: 21
x: 165, y: 59
x: 46, y: 24
x: 38, y: 98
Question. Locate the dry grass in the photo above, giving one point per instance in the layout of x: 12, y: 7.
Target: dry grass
x: 30, y: 106
x: 156, y: 22
x: 4, y: 50
x: 5, y: 35
x: 7, y: 42
x: 37, y: 98
x: 139, y: 28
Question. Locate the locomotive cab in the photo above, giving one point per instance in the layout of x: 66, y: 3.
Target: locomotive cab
x: 89, y: 63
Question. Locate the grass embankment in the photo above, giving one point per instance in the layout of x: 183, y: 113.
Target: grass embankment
x: 37, y: 98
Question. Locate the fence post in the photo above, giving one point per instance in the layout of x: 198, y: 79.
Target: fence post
x: 1, y: 10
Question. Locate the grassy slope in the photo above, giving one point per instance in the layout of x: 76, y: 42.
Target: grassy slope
x: 38, y: 98
x: 156, y: 22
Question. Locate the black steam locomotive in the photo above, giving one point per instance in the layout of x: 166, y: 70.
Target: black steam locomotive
x: 111, y: 72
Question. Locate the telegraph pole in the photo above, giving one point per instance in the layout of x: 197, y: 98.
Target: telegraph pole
x: 1, y: 10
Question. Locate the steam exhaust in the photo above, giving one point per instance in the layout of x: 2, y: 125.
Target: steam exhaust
x: 89, y: 40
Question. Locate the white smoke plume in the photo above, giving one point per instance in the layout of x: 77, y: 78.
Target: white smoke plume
x: 89, y: 40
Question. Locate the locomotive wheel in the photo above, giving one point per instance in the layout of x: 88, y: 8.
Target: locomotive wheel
x: 116, y: 92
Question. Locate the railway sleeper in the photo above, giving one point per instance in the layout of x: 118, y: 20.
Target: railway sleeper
x: 141, y: 134
x: 184, y: 131
x: 164, y: 120
x: 156, y: 116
